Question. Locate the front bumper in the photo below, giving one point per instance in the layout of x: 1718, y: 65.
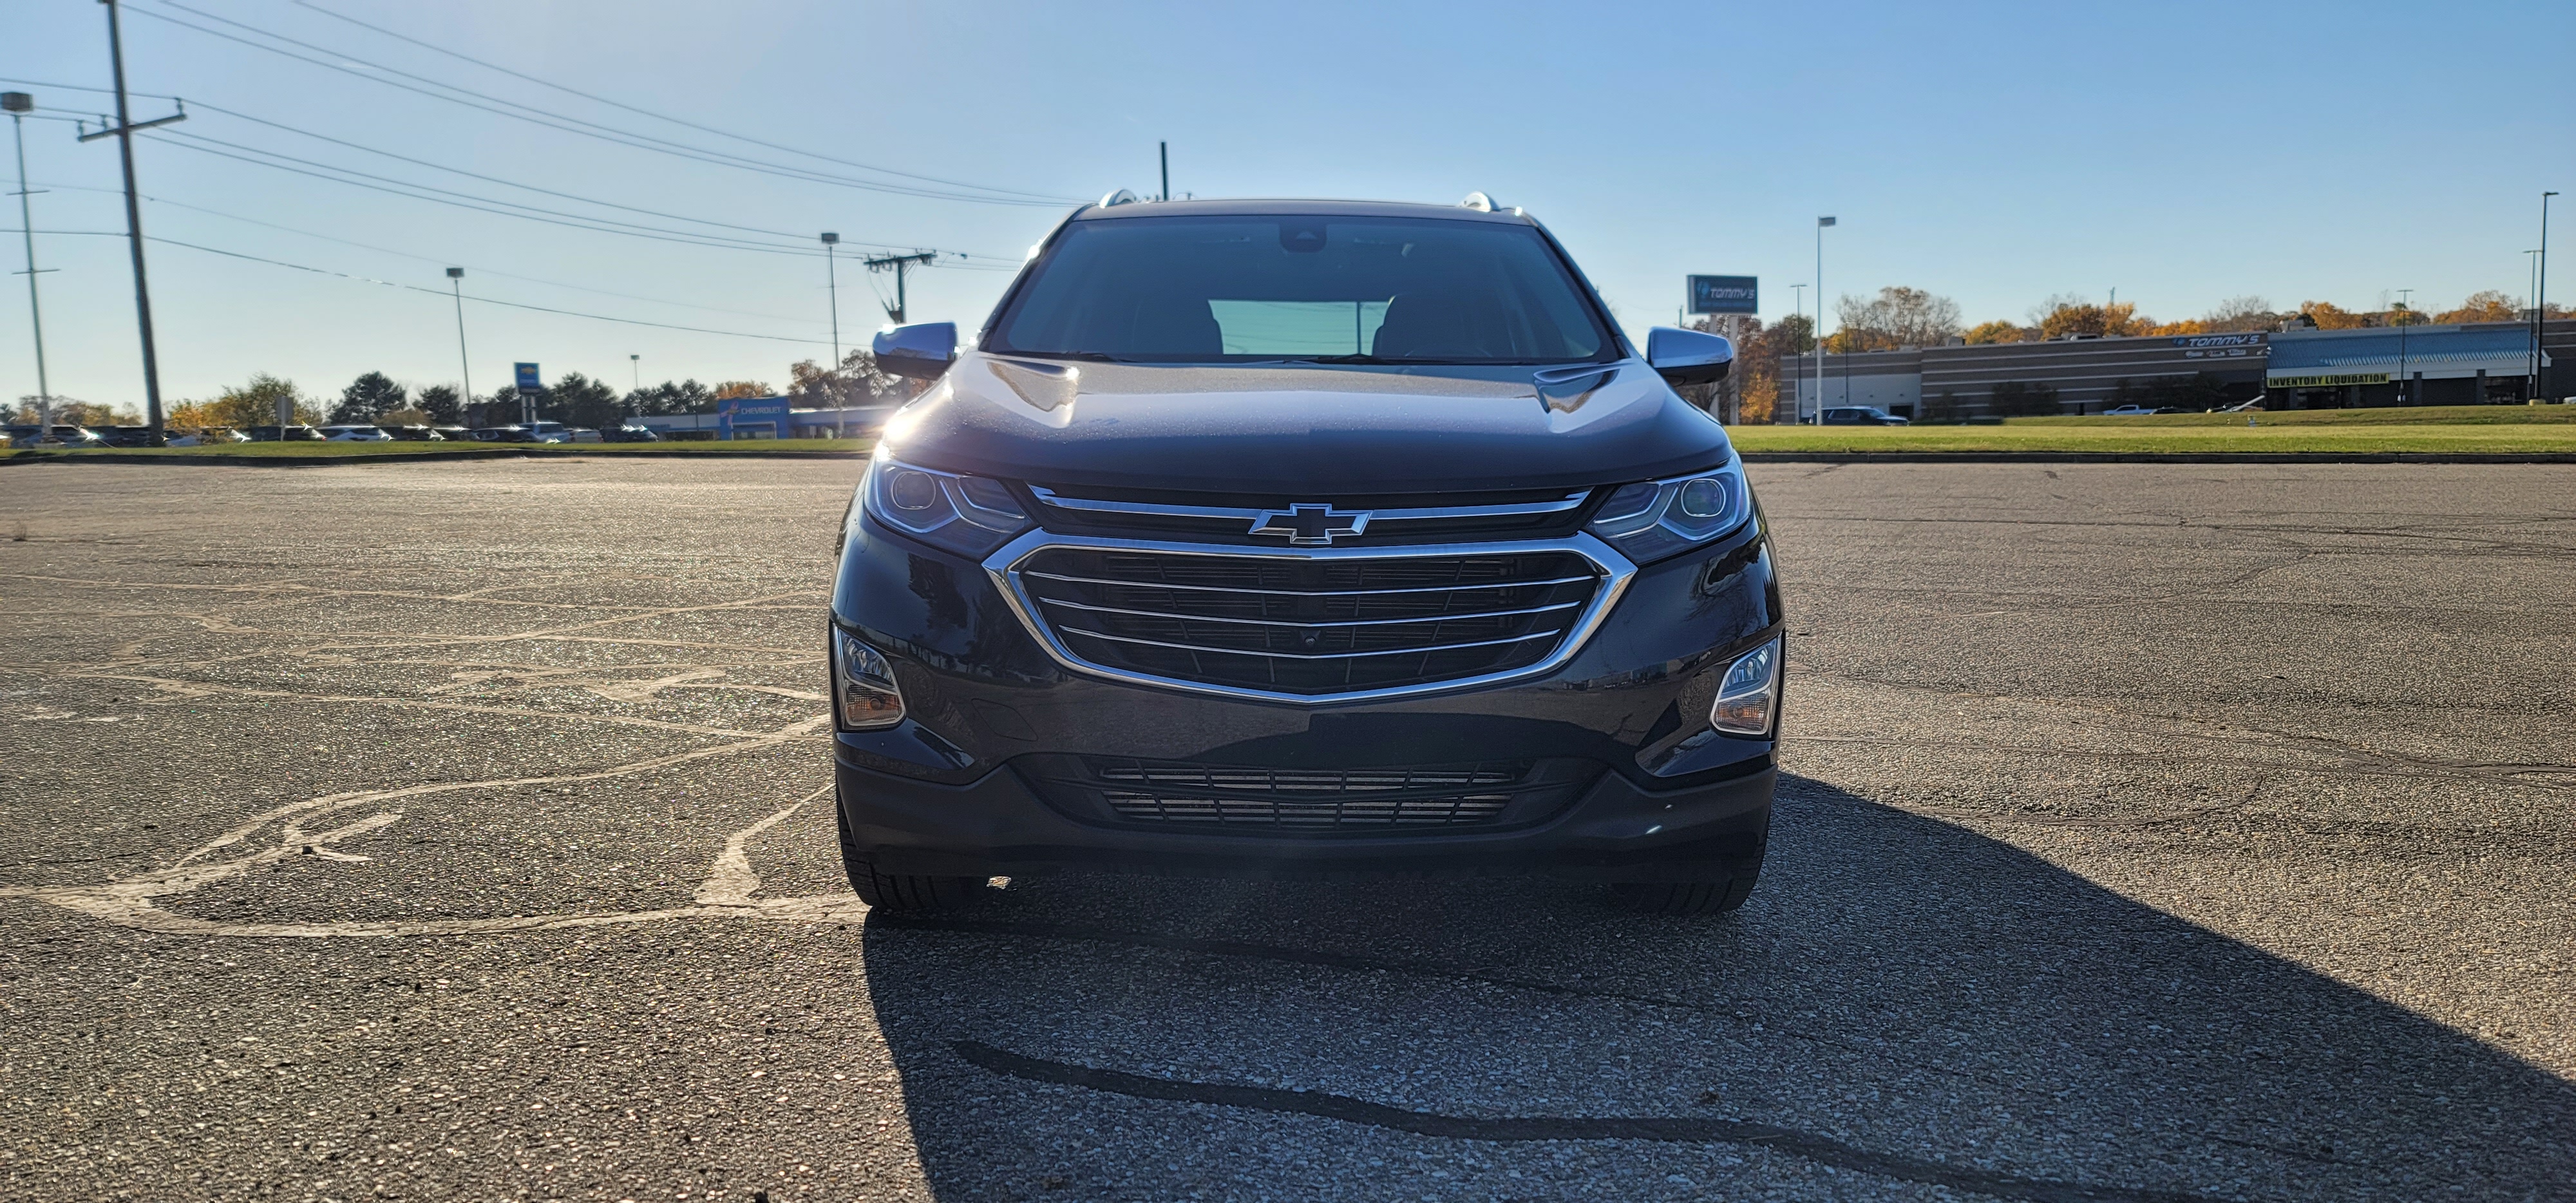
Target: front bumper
x: 956, y: 788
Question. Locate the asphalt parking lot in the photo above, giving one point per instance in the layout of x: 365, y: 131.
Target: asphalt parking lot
x: 460, y: 831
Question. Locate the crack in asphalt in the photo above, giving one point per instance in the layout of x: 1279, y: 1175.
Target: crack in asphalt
x: 1823, y: 1150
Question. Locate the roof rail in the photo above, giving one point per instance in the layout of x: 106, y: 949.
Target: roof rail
x: 1479, y: 202
x: 1120, y: 197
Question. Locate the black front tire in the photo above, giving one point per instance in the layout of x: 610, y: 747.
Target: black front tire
x: 900, y: 893
x: 1683, y: 897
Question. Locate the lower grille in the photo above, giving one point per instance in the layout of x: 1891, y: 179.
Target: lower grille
x: 1181, y: 794
x: 1308, y: 626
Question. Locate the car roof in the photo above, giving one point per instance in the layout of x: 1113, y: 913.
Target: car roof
x: 1255, y: 207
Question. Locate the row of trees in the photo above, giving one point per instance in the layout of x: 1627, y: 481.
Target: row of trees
x: 1912, y: 317
x: 574, y: 399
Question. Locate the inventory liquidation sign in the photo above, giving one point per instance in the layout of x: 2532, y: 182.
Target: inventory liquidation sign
x: 2336, y: 381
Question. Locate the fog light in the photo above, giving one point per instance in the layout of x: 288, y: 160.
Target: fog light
x: 863, y: 685
x: 1750, y: 694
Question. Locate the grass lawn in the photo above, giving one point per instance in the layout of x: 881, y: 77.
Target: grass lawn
x: 2469, y: 429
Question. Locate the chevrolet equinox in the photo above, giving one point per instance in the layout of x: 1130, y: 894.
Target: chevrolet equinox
x: 1304, y: 538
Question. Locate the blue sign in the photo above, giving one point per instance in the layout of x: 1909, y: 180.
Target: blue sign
x: 528, y: 382
x: 1725, y: 294
x: 751, y: 411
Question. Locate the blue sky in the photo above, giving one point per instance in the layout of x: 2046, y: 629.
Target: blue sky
x: 1994, y: 154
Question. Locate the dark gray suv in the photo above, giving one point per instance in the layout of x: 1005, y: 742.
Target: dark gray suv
x: 1304, y: 538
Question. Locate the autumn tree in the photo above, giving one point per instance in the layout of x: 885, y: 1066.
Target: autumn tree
x: 2487, y: 306
x: 255, y: 403
x: 2237, y: 315
x: 1997, y: 331
x: 1896, y: 317
x: 731, y: 389
x: 71, y: 412
x: 2061, y: 316
x: 368, y: 397
x: 2326, y: 315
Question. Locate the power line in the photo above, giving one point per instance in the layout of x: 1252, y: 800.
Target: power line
x: 440, y: 259
x: 566, y: 124
x: 542, y: 82
x: 596, y: 317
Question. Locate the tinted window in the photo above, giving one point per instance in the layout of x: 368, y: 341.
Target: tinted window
x: 1216, y: 289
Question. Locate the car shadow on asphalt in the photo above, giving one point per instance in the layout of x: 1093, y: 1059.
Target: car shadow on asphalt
x: 1903, y: 1000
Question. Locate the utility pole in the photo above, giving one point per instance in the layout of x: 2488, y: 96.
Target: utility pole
x: 898, y: 263
x: 1821, y: 223
x: 18, y: 104
x: 464, y: 363
x: 2540, y: 296
x: 124, y: 134
x: 1163, y: 150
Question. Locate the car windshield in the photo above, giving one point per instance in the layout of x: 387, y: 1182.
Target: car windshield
x: 1313, y: 289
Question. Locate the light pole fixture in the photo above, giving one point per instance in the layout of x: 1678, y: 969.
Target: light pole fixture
x: 18, y: 105
x: 1821, y: 223
x: 832, y: 281
x: 464, y: 362
x: 2539, y: 296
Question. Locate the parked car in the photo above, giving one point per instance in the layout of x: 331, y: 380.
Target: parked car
x: 1154, y: 581
x: 2126, y: 411
x: 356, y: 433
x: 289, y: 434
x: 32, y: 435
x: 1861, y: 415
x: 129, y: 436
x: 502, y: 434
x: 451, y: 433
x: 582, y: 434
x: 209, y: 436
x: 629, y: 434
x: 413, y: 434
x: 548, y: 432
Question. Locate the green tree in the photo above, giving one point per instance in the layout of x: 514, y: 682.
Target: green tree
x: 578, y: 400
x: 686, y: 397
x: 857, y: 381
x: 368, y: 398
x: 442, y: 404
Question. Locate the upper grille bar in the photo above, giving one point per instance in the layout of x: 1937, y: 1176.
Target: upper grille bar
x: 1559, y: 505
x: 1090, y: 580
x: 1275, y: 622
x: 1309, y: 626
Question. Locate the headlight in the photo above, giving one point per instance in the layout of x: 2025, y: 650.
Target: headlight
x: 1653, y: 519
x: 1749, y: 698
x: 864, y: 695
x: 969, y: 515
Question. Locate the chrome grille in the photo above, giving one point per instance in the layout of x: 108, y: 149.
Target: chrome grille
x: 1308, y: 626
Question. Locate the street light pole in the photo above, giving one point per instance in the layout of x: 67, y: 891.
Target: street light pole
x: 18, y: 104
x: 1821, y: 223
x: 2405, y: 390
x: 2540, y: 296
x: 832, y: 282
x: 464, y: 362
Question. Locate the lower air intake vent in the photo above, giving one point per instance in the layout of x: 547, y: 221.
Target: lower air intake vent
x: 1358, y: 800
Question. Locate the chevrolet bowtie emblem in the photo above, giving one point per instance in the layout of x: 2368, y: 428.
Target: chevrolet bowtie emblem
x: 1311, y: 525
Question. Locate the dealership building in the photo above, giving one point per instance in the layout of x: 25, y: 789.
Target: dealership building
x: 2291, y: 369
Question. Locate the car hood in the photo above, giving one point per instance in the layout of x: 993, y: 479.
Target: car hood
x: 1299, y: 428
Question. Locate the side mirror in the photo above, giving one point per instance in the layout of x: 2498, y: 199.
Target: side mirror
x: 1688, y: 356
x: 922, y: 351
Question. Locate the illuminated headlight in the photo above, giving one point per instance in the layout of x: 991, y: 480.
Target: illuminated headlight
x: 1749, y: 698
x: 864, y: 695
x: 969, y: 515
x: 1653, y: 519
